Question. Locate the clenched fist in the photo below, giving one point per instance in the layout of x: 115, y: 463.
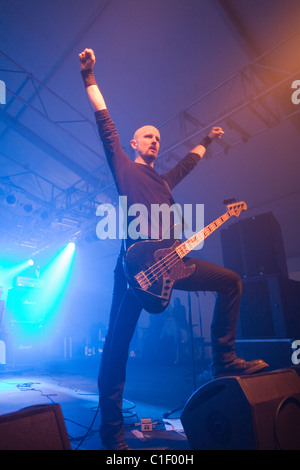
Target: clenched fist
x: 216, y: 133
x: 87, y: 59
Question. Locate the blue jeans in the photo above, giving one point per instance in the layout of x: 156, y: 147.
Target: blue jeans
x: 124, y: 315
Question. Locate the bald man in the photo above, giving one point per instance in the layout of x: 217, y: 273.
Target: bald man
x: 141, y: 184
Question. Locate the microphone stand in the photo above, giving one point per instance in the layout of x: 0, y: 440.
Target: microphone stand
x: 192, y: 340
x: 201, y: 336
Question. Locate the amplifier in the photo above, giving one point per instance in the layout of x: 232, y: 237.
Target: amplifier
x: 275, y: 352
x: 254, y: 247
x: 29, y: 282
x: 25, y: 344
x: 270, y: 308
x: 25, y: 304
x: 40, y: 427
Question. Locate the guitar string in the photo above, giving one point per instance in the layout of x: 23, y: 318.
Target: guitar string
x: 165, y: 260
x: 157, y: 269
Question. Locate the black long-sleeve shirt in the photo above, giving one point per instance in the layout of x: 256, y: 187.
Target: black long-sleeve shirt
x: 140, y: 183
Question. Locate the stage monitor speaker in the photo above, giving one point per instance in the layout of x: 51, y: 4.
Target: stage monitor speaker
x: 259, y: 412
x: 254, y: 247
x: 40, y: 427
x: 270, y: 308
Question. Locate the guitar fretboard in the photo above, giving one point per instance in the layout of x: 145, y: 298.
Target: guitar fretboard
x: 184, y: 248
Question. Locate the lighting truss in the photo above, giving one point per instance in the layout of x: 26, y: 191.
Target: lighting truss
x: 246, y: 104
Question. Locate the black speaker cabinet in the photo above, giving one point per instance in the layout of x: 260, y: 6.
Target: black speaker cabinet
x: 24, y: 324
x: 278, y: 353
x: 259, y: 412
x: 270, y: 308
x: 40, y: 427
x: 25, y: 344
x: 254, y: 247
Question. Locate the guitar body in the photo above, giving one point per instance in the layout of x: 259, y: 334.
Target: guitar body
x: 152, y: 267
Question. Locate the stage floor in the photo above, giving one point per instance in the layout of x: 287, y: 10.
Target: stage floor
x: 151, y: 391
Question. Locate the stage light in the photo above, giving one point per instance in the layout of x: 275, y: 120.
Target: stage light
x: 55, y: 277
x: 10, y: 271
x: 28, y: 208
x: 71, y: 246
x: 11, y: 199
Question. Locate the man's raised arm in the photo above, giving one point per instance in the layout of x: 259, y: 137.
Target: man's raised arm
x: 87, y: 61
x: 215, y: 133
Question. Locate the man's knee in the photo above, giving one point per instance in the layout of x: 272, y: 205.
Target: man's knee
x: 235, y: 284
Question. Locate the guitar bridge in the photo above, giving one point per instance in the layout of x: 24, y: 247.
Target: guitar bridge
x: 142, y: 280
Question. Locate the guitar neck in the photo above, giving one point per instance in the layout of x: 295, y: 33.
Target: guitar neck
x: 185, y: 247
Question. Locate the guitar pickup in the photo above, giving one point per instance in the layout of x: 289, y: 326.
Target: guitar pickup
x: 142, y: 280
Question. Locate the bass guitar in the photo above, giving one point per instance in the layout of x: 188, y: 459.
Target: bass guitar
x: 152, y: 267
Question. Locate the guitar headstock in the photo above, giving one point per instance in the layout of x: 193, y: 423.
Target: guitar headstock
x: 236, y: 208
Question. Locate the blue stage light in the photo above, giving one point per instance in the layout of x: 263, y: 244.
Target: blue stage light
x: 10, y: 270
x: 39, y: 307
x: 55, y: 277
